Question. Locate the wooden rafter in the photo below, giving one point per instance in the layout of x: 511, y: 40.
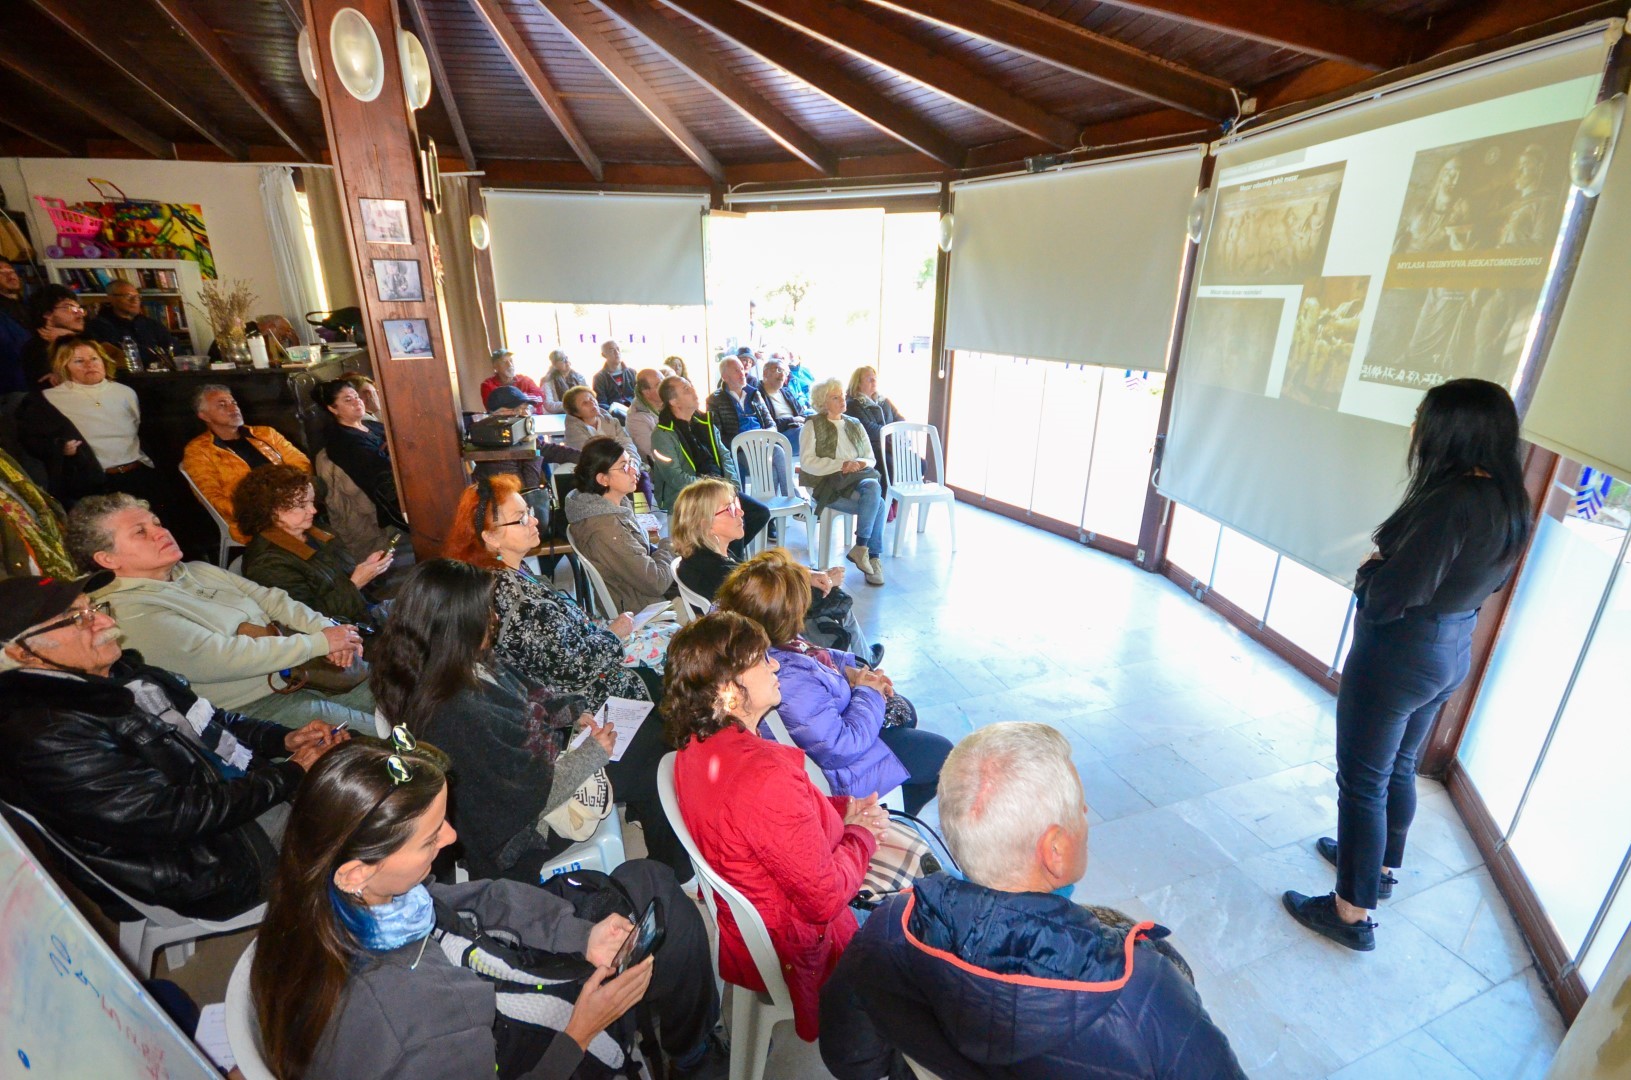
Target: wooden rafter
x: 692, y: 56
x: 519, y: 53
x: 192, y: 26
x: 1307, y: 26
x: 853, y: 32
x: 1063, y: 44
x: 145, y: 74
x: 56, y: 142
x: 789, y: 50
x: 438, y: 74
x: 599, y: 48
x: 49, y: 78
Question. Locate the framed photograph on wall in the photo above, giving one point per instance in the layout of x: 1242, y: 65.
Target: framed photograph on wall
x: 398, y: 280
x: 407, y: 339
x: 385, y: 221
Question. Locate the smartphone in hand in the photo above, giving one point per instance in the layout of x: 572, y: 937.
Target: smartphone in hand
x: 647, y: 937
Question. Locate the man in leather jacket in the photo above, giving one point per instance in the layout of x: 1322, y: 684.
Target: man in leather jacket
x: 166, y: 797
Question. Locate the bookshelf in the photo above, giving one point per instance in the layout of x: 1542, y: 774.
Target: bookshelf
x: 170, y: 292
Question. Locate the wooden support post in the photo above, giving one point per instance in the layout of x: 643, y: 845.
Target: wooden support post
x: 375, y: 150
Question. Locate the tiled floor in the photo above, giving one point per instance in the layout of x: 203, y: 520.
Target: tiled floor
x: 1208, y: 769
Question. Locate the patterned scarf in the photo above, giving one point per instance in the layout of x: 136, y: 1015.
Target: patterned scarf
x: 35, y: 517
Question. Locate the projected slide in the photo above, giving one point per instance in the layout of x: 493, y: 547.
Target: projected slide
x: 1353, y: 274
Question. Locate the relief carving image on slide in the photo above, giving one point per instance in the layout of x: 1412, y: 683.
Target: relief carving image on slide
x: 1470, y: 254
x: 1322, y: 343
x: 1273, y: 231
x: 1231, y: 339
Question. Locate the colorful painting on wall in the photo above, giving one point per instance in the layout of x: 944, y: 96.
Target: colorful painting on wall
x: 132, y: 229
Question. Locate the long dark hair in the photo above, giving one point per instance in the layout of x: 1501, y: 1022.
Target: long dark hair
x: 1463, y: 426
x: 432, y: 641
x: 348, y: 808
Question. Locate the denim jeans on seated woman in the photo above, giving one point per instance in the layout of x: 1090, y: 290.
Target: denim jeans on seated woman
x: 866, y: 503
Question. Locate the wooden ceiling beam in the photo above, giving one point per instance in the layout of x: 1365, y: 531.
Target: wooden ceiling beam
x: 1063, y: 44
x: 645, y: 18
x: 51, y: 80
x: 519, y: 54
x: 789, y: 50
x: 852, y: 32
x: 1306, y: 26
x: 193, y: 27
x: 601, y: 49
x: 145, y: 74
x: 438, y: 74
x: 56, y: 142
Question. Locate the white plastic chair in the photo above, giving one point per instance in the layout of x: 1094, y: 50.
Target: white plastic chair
x: 904, y: 445
x: 918, y: 1070
x: 158, y: 928
x: 243, y: 1030
x: 227, y: 542
x: 597, y: 584
x: 763, y: 479
x: 894, y: 800
x: 603, y: 851
x: 845, y: 524
x: 692, y: 603
x: 753, y: 1015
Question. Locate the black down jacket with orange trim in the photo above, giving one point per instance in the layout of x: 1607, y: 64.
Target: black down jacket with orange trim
x: 971, y: 982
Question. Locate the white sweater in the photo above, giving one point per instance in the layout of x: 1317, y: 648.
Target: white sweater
x: 107, y: 415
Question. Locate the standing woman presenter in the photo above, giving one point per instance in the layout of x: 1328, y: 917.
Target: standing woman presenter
x: 1464, y: 521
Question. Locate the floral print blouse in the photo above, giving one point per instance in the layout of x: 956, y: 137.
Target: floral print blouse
x: 546, y: 638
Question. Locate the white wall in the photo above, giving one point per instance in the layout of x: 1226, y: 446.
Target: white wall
x: 229, y: 194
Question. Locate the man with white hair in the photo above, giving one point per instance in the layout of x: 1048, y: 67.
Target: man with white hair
x: 1001, y: 973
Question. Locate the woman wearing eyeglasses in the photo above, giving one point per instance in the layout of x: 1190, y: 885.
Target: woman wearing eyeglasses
x: 606, y: 532
x: 361, y: 968
x: 547, y: 640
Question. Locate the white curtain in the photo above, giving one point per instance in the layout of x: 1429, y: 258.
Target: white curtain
x: 290, y: 251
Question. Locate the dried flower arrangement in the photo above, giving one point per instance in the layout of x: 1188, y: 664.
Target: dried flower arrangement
x: 227, y: 304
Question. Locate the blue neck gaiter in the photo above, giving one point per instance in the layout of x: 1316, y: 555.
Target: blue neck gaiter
x: 384, y: 927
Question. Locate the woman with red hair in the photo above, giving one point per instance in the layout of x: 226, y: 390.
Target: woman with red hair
x: 546, y: 639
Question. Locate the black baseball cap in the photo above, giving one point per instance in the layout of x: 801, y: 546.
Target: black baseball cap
x: 34, y: 601
x: 505, y: 397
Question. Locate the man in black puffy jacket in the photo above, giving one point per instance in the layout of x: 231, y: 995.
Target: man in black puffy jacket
x: 166, y: 797
x: 1001, y: 974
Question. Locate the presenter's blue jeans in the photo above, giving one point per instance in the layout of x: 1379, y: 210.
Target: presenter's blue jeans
x: 1396, y: 677
x: 866, y: 503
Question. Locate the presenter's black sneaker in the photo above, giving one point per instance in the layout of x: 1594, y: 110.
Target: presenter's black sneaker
x: 1319, y: 914
x: 1327, y: 848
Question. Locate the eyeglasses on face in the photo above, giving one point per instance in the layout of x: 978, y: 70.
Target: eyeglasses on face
x: 79, y: 618
x: 733, y: 508
x: 527, y: 517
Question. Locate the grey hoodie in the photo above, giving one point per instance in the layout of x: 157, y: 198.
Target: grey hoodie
x: 611, y: 538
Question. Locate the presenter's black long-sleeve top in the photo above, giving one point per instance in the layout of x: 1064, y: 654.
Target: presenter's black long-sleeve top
x: 1448, y: 557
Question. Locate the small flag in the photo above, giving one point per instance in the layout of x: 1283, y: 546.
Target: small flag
x: 1591, y: 492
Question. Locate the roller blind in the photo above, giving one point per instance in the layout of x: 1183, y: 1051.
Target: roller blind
x: 1353, y: 260
x: 596, y: 248
x: 1582, y: 404
x: 1081, y: 265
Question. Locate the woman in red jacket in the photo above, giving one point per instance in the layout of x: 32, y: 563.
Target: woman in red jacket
x: 798, y: 856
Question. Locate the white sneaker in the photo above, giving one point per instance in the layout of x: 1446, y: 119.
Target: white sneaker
x: 858, y: 555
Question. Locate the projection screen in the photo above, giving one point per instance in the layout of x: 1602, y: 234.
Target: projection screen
x: 1353, y: 260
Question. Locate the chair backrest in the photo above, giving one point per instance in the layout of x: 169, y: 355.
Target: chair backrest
x: 603, y: 595
x: 693, y: 603
x: 778, y: 729
x: 243, y: 1029
x: 758, y: 448
x: 215, y: 515
x: 905, y: 445
x: 748, y: 921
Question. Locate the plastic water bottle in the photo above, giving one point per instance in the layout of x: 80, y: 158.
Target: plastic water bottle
x: 133, y: 355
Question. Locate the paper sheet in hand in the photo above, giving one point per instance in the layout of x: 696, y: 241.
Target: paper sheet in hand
x: 211, y: 1036
x: 627, y: 715
x: 651, y: 611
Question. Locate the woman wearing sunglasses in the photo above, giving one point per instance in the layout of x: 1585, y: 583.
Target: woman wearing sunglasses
x: 362, y: 974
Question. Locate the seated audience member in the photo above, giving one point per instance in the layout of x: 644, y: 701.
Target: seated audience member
x: 31, y: 527
x: 167, y: 797
x: 799, y: 380
x: 558, y: 380
x: 357, y: 446
x: 587, y: 419
x: 54, y: 312
x: 85, y: 429
x: 735, y: 407
x: 432, y: 671
x: 546, y: 639
x: 846, y: 717
x: 373, y: 401
x: 873, y: 410
x: 784, y: 409
x: 277, y: 505
x: 644, y: 411
x: 749, y: 359
x: 686, y: 446
x: 13, y: 333
x: 706, y: 520
x: 614, y: 382
x: 349, y: 983
x: 606, y: 532
x: 796, y: 855
x: 122, y: 317
x: 222, y: 456
x: 210, y: 625
x: 1000, y: 974
x: 504, y: 374
x: 837, y: 464
x: 675, y: 366
x: 278, y: 329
